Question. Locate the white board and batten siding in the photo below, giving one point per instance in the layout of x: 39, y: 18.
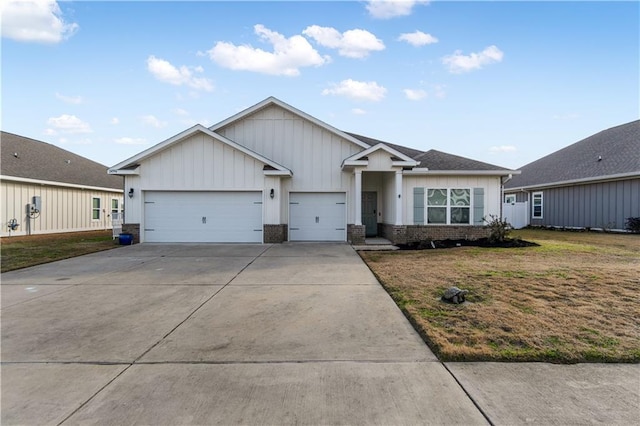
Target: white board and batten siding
x: 199, y: 163
x: 490, y: 186
x: 311, y: 152
x: 63, y: 209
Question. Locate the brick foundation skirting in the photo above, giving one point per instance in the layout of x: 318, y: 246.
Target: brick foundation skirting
x: 274, y: 234
x: 356, y: 234
x: 133, y: 229
x: 406, y: 234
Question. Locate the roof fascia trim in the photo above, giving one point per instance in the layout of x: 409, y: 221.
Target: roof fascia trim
x: 61, y: 184
x: 606, y: 178
x: 275, y: 101
x: 189, y: 132
x: 405, y: 159
x: 135, y: 171
x: 462, y: 172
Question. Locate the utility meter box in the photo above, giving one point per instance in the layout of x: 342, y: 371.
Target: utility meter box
x: 36, y: 203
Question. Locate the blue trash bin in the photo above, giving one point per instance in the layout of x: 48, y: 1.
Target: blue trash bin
x: 125, y: 239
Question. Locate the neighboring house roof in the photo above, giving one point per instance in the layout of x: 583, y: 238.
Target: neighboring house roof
x: 410, y: 152
x: 27, y: 158
x: 609, y: 154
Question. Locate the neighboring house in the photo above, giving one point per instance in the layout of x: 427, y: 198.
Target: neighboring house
x: 45, y: 189
x: 272, y: 173
x: 592, y: 184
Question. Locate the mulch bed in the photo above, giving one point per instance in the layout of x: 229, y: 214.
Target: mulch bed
x: 482, y: 242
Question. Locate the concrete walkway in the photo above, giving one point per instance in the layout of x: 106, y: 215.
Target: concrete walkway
x: 257, y: 334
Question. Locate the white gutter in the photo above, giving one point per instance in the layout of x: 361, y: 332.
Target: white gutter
x: 606, y: 178
x: 461, y: 172
x: 62, y: 184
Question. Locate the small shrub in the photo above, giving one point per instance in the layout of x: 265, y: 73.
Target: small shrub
x: 500, y: 229
x: 633, y: 224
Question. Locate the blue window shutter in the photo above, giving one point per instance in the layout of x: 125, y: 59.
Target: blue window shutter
x: 418, y: 206
x: 478, y: 206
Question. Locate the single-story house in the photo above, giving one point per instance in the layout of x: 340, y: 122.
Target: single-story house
x: 273, y: 173
x: 591, y: 184
x: 46, y: 189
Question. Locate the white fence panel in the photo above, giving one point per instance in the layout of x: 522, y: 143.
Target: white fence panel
x: 516, y: 214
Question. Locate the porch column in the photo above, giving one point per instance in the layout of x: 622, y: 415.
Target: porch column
x: 398, y: 197
x: 358, y: 198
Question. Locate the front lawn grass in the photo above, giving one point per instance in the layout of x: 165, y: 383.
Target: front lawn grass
x: 575, y: 298
x: 24, y: 251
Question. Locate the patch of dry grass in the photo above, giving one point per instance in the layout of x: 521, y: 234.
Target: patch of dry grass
x: 25, y: 251
x: 575, y: 298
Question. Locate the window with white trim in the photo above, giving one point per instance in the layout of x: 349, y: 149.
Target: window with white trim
x: 536, y: 205
x: 510, y: 198
x: 115, y: 208
x: 95, y: 208
x: 448, y: 206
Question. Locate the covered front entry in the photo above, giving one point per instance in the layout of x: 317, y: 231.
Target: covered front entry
x: 216, y: 217
x: 317, y: 216
x: 370, y: 213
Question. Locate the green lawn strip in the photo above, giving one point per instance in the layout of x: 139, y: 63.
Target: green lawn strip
x: 26, y: 253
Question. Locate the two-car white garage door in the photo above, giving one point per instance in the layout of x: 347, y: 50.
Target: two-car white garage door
x: 220, y: 217
x: 224, y: 217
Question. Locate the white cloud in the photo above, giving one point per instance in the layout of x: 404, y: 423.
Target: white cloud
x: 68, y: 124
x: 352, y: 44
x: 288, y: 56
x: 166, y: 72
x: 415, y: 94
x: 49, y: 132
x: 152, y: 121
x: 130, y: 141
x: 459, y: 63
x: 39, y: 21
x: 357, y: 90
x: 385, y: 9
x: 114, y: 121
x: 76, y: 100
x: 181, y: 112
x: 439, y: 91
x: 358, y: 111
x: 503, y: 148
x: 418, y: 38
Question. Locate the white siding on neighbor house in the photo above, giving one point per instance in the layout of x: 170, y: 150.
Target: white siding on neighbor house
x: 491, y: 185
x: 199, y: 163
x: 64, y: 209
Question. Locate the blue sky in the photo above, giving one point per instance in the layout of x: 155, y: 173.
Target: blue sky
x: 500, y: 82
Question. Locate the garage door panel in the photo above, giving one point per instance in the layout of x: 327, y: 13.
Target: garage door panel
x: 203, y: 216
x: 317, y: 217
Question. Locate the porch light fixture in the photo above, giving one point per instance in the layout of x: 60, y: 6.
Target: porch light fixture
x: 272, y: 193
x: 130, y: 192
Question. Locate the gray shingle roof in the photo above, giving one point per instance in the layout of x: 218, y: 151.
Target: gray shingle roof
x: 610, y: 152
x: 432, y: 159
x: 43, y: 161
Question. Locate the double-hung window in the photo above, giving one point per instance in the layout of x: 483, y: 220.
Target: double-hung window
x: 448, y: 206
x: 537, y: 205
x: 115, y: 209
x: 95, y: 208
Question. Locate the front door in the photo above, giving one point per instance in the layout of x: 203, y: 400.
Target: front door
x: 369, y: 213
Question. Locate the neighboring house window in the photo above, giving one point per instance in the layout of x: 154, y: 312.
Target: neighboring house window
x: 115, y: 209
x: 510, y: 199
x: 448, y: 206
x: 537, y: 205
x: 95, y: 206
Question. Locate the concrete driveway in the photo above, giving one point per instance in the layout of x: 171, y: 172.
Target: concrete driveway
x: 257, y: 334
x: 216, y: 334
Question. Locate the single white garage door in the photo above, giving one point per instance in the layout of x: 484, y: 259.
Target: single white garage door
x: 216, y: 217
x: 317, y: 216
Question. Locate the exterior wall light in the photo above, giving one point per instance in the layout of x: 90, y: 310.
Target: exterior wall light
x: 130, y: 192
x: 272, y: 193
